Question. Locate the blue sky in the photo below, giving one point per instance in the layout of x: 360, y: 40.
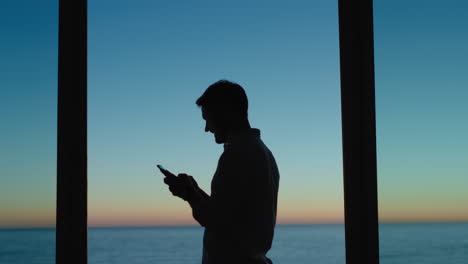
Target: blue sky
x: 148, y: 68
x: 421, y: 51
x: 150, y: 60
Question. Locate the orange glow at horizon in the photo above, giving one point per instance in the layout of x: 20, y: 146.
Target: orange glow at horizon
x: 170, y: 212
x: 141, y: 217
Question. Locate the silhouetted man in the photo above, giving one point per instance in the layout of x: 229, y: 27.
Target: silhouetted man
x: 240, y: 214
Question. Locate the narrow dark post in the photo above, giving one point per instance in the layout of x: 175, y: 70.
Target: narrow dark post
x: 358, y: 124
x: 71, y: 221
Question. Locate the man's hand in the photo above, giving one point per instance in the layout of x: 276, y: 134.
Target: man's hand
x: 177, y: 186
x: 183, y: 186
x: 194, y: 193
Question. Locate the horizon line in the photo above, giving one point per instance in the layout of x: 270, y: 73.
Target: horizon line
x: 281, y: 224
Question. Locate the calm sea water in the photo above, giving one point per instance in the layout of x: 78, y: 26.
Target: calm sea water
x: 324, y: 244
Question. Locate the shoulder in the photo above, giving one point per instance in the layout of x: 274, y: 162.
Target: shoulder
x: 244, y: 150
x: 252, y: 154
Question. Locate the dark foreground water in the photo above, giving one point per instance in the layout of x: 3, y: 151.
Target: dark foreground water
x: 324, y: 244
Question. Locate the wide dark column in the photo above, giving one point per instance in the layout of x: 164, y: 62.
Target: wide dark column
x: 358, y: 124
x: 71, y: 232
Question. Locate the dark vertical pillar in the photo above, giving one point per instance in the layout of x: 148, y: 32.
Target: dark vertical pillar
x: 71, y: 221
x: 358, y: 124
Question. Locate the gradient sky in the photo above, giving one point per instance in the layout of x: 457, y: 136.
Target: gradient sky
x: 150, y: 60
x: 421, y: 64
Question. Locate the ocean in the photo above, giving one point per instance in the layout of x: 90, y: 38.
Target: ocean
x: 324, y: 244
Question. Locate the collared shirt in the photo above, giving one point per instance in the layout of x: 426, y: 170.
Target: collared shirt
x: 240, y: 215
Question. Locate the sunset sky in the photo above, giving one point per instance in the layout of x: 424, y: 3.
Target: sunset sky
x: 148, y: 61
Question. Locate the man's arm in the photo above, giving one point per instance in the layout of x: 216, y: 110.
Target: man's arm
x: 199, y: 201
x: 221, y: 210
x: 202, y: 193
x: 204, y: 210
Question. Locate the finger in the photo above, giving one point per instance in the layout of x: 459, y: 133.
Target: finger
x: 167, y: 181
x: 192, y: 181
x: 174, y: 190
x: 182, y: 176
x: 189, y: 181
x: 170, y: 181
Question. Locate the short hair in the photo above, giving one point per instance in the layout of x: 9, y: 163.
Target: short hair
x: 224, y: 95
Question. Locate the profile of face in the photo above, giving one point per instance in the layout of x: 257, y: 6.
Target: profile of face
x: 214, y: 127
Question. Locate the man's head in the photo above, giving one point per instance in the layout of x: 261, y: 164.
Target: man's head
x: 224, y: 106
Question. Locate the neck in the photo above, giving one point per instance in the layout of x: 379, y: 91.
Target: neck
x: 239, y: 127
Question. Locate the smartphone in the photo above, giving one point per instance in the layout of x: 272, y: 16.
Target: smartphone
x: 165, y: 172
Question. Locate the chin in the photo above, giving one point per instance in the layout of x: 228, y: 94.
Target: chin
x: 219, y: 140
